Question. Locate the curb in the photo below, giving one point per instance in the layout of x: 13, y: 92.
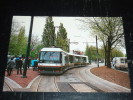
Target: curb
x: 29, y: 85
x: 11, y: 83
x: 106, y: 81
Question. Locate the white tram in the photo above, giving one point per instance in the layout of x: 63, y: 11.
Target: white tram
x: 57, y: 61
x: 120, y: 63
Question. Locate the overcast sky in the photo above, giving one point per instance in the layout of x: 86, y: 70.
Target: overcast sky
x: 72, y: 26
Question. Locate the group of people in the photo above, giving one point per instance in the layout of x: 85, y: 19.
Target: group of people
x: 18, y: 63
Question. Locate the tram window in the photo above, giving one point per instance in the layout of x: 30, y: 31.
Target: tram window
x: 77, y: 59
x: 80, y: 59
x: 122, y: 61
x: 50, y: 57
x: 84, y: 59
x: 67, y: 59
x: 71, y: 59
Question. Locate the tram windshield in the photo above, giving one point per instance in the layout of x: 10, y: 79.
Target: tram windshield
x: 50, y: 57
x: 123, y: 60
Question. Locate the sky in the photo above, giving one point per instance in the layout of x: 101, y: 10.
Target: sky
x: 73, y: 27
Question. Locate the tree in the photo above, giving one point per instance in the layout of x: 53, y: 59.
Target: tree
x: 36, y: 46
x: 13, y: 37
x: 116, y: 53
x: 34, y: 41
x: 21, y: 42
x: 101, y: 54
x: 109, y: 30
x: 17, y: 45
x: 13, y: 44
x: 15, y: 27
x: 48, y: 37
x: 91, y: 52
x: 36, y: 50
x: 61, y: 40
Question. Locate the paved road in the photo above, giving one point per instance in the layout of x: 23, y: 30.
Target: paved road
x: 74, y: 80
x: 68, y: 82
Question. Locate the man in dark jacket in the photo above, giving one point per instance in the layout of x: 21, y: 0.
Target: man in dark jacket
x: 28, y: 62
x: 19, y: 64
x: 10, y: 65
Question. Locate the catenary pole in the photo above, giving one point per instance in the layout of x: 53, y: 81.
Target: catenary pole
x: 28, y: 48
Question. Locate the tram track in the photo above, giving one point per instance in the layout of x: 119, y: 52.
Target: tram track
x: 55, y: 81
x: 8, y: 87
x: 82, y: 85
x: 85, y: 81
x: 70, y: 82
x: 36, y: 89
x: 46, y: 84
x: 79, y: 75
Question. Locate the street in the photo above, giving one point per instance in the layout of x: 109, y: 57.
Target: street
x: 74, y: 80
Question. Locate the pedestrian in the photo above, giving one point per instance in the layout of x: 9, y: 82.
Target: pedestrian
x: 10, y: 65
x: 16, y: 59
x: 23, y: 61
x: 19, y: 64
x: 28, y: 62
x: 35, y: 64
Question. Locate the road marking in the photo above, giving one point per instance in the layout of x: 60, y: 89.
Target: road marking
x: 82, y: 88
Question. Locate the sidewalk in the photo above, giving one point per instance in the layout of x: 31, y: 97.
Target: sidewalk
x: 23, y: 82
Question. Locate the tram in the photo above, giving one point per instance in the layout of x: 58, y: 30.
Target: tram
x: 57, y: 61
x: 120, y: 63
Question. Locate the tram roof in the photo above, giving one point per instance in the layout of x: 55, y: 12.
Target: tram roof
x: 77, y: 55
x: 52, y: 49
x: 119, y: 57
x: 60, y: 50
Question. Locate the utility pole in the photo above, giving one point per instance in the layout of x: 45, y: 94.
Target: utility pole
x: 28, y: 48
x: 54, y: 37
x: 90, y: 55
x: 69, y: 45
x: 97, y: 52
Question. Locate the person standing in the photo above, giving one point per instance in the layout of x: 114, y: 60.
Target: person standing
x: 10, y: 65
x: 16, y: 59
x: 19, y: 64
x: 28, y: 62
x: 35, y: 65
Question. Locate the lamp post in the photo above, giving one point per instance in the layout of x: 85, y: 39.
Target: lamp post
x: 71, y: 43
x: 97, y: 53
x: 28, y: 48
